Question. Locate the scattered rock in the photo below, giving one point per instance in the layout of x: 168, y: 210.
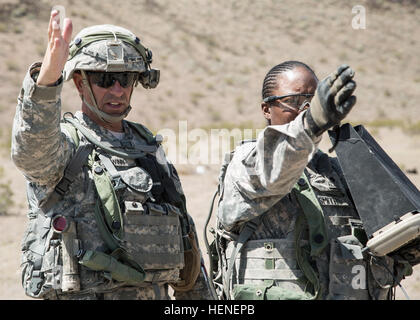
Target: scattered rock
x: 412, y: 171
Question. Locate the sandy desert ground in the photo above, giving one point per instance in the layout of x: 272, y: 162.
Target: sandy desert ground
x: 213, y: 56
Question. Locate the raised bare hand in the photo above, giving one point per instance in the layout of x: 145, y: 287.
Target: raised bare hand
x: 57, y: 50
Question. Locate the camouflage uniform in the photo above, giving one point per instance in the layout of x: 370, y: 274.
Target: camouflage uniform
x: 42, y: 149
x: 258, y: 183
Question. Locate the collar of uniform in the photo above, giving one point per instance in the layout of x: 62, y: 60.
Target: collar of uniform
x: 104, y: 135
x: 101, y: 133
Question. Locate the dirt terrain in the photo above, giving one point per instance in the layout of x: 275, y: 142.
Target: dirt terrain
x: 213, y: 56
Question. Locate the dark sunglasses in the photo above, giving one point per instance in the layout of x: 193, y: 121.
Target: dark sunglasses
x: 107, y: 79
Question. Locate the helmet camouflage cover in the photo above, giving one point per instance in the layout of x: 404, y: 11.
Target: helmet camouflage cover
x: 111, y: 49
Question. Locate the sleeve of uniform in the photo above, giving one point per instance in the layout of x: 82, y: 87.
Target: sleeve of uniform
x: 260, y: 174
x: 39, y: 149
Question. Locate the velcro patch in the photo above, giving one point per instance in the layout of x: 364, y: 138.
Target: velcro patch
x: 332, y: 201
x: 120, y: 162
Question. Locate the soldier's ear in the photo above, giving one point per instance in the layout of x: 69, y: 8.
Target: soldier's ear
x: 266, y: 110
x: 78, y: 81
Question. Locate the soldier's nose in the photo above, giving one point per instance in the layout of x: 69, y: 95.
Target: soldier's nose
x: 116, y: 89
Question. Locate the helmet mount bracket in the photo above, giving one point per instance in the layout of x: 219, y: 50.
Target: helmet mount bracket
x: 115, y: 56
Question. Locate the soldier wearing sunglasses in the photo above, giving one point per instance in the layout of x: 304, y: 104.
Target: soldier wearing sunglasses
x: 107, y: 214
x: 287, y: 228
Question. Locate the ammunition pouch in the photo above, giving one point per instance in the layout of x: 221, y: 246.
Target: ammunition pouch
x: 153, y: 239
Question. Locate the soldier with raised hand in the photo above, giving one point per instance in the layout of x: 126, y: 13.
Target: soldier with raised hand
x: 286, y: 227
x: 107, y: 213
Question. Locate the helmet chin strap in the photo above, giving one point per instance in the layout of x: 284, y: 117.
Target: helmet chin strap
x: 108, y: 118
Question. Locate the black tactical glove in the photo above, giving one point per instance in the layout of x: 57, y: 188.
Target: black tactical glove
x: 332, y: 102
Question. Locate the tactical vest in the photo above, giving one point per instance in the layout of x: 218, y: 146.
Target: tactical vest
x: 324, y: 259
x: 130, y: 222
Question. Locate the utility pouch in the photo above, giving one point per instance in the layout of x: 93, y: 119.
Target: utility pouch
x: 266, y: 292
x: 266, y: 269
x: 153, y: 239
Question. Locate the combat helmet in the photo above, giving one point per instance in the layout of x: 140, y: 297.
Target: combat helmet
x: 109, y: 48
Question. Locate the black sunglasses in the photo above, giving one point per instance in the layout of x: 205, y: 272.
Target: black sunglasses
x: 107, y: 79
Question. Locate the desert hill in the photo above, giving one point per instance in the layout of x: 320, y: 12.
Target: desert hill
x: 213, y: 56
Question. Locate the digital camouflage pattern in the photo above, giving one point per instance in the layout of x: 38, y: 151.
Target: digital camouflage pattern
x: 94, y: 56
x: 42, y: 151
x: 261, y: 174
x: 258, y: 182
